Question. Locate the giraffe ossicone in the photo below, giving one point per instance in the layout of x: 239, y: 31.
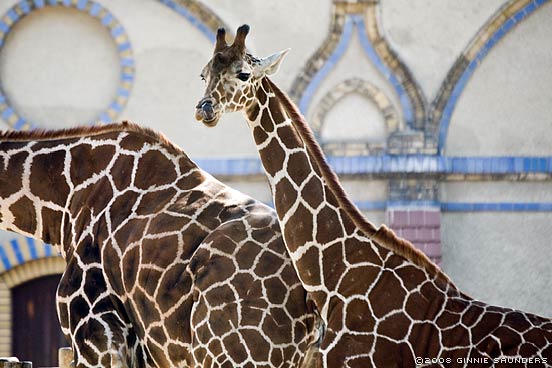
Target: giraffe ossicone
x: 166, y: 266
x: 382, y: 302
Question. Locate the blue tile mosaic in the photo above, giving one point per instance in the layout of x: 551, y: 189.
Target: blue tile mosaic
x: 127, y: 62
x: 393, y: 164
x: 17, y: 251
x: 107, y: 19
x: 496, y: 207
x: 206, y: 31
x: 95, y: 9
x: 12, y: 14
x: 369, y: 50
x: 32, y: 248
x: 7, y: 113
x: 116, y: 107
x: 20, y: 123
x: 48, y: 250
x: 24, y: 6
x: 124, y: 46
x: 4, y: 27
x: 117, y: 31
x: 123, y: 92
x: 321, y: 74
x: 81, y: 4
x: 4, y: 259
x: 127, y: 77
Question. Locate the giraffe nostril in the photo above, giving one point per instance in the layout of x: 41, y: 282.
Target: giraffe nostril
x: 205, y: 111
x: 207, y: 108
x: 203, y: 101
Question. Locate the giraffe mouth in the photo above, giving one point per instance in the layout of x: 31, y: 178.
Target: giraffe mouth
x: 206, y: 113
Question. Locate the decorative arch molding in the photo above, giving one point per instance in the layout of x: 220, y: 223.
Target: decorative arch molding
x: 20, y: 250
x: 199, y: 15
x: 108, y: 20
x: 339, y: 92
x: 499, y: 25
x: 409, y: 91
x: 17, y: 276
x: 361, y: 16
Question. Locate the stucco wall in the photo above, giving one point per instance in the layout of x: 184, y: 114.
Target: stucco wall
x: 506, y: 253
x: 355, y: 63
x: 431, y: 34
x: 500, y: 258
x: 355, y: 118
x: 59, y: 67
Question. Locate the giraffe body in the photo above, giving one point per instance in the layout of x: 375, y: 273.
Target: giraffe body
x: 166, y: 266
x: 382, y: 302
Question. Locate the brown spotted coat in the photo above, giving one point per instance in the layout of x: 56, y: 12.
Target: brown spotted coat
x: 166, y: 266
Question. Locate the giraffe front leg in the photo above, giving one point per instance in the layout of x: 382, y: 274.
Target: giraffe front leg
x: 99, y: 340
x: 89, y: 319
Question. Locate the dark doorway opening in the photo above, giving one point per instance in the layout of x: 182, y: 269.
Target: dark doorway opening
x: 36, y: 333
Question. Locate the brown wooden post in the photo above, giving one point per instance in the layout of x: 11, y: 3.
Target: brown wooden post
x: 65, y: 357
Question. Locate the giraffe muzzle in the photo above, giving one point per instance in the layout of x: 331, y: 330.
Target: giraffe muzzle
x: 205, y: 112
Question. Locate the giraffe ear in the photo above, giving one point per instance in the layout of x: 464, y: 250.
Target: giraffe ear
x: 269, y: 65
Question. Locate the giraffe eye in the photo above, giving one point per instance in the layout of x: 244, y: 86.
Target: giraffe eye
x: 243, y: 76
x: 202, y: 77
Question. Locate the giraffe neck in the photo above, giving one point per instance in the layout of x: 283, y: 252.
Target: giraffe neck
x: 58, y: 186
x: 312, y: 207
x: 309, y: 213
x: 383, y: 235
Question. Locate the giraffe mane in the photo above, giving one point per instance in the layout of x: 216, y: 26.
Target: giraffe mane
x: 81, y: 131
x: 383, y: 236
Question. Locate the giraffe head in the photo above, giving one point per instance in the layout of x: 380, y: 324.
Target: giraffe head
x: 232, y: 77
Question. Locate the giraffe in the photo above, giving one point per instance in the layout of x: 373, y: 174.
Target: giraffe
x: 382, y: 302
x: 166, y: 266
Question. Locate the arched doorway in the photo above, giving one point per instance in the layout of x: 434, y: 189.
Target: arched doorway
x: 36, y: 334
x: 13, y: 314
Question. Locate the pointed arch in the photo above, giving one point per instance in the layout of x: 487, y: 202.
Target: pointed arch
x: 17, y: 276
x: 361, y: 16
x: 498, y: 26
x: 338, y: 93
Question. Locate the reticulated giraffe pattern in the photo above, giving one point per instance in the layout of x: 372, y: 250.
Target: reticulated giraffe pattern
x: 383, y: 303
x: 166, y: 266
